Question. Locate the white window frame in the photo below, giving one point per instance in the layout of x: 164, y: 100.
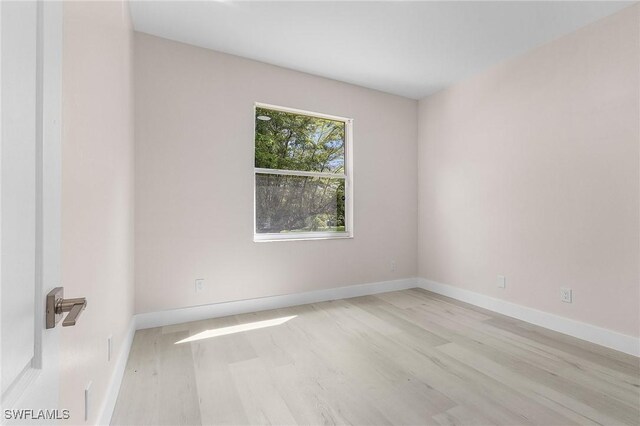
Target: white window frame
x: 348, y: 181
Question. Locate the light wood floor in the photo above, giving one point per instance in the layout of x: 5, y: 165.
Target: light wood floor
x: 401, y: 358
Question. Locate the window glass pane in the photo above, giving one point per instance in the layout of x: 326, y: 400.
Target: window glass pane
x: 287, y: 203
x: 287, y: 141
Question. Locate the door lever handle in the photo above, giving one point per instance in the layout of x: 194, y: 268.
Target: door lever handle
x: 57, y: 305
x: 74, y: 307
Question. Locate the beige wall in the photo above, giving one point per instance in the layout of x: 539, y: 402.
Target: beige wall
x: 194, y: 180
x: 97, y: 195
x: 531, y: 170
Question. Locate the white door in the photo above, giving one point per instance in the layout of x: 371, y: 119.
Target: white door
x: 30, y: 152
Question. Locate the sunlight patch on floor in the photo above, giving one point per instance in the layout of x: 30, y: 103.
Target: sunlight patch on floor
x: 216, y: 332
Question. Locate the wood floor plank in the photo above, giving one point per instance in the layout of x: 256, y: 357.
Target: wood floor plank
x: 219, y: 400
x: 179, y: 402
x: 460, y: 415
x: 626, y: 364
x: 569, y: 344
x: 310, y: 402
x: 260, y: 397
x: 451, y: 378
x: 585, y: 387
x: 141, y: 377
x: 402, y: 358
x: 159, y: 384
x: 561, y: 403
x: 522, y: 362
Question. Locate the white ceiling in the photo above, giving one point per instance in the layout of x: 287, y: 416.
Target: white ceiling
x: 411, y: 49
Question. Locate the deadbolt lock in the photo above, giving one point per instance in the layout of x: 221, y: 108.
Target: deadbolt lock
x: 57, y: 305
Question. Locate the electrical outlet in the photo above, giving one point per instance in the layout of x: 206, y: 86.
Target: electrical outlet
x: 199, y: 285
x: 86, y: 401
x: 502, y: 281
x: 566, y: 295
x: 393, y: 266
x: 109, y: 348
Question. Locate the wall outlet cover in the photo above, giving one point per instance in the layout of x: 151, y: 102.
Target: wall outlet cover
x: 199, y: 285
x: 502, y: 281
x: 87, y: 394
x: 566, y: 295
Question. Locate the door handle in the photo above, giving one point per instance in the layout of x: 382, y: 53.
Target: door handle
x: 57, y: 305
x: 74, y: 307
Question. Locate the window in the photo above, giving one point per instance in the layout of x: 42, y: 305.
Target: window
x: 302, y: 175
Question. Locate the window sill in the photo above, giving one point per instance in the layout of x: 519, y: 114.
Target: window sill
x: 307, y: 236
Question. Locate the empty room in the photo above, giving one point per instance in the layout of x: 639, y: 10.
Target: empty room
x: 232, y: 212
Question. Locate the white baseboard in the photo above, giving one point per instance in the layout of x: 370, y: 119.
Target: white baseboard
x: 215, y: 310
x: 109, y: 403
x: 591, y: 333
